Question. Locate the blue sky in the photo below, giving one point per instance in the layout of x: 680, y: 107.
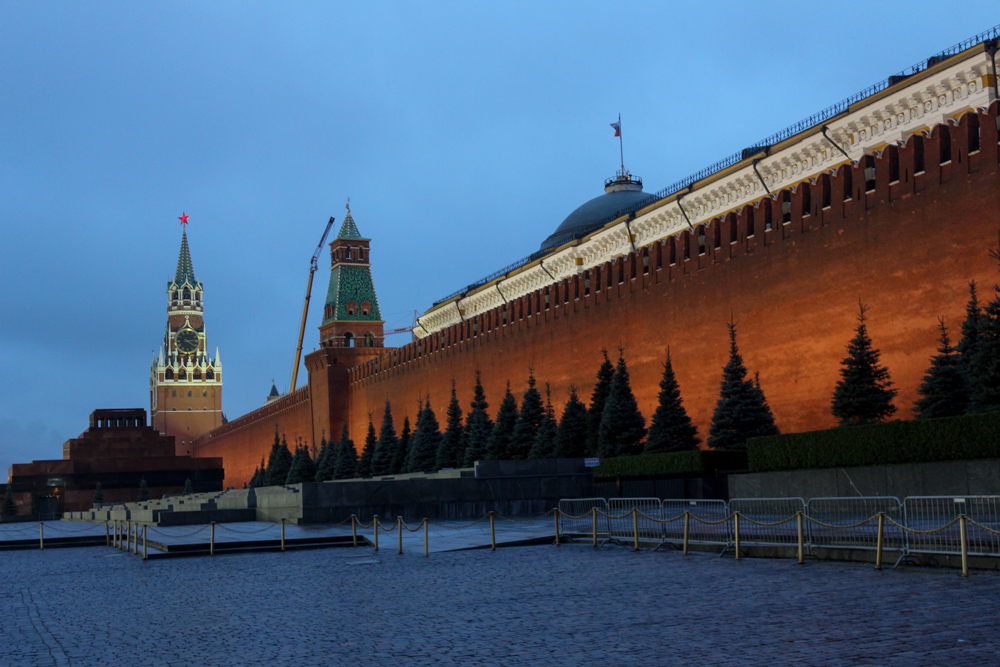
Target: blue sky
x: 462, y: 132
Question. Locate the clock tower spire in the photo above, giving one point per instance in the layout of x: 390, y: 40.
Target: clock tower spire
x: 185, y: 384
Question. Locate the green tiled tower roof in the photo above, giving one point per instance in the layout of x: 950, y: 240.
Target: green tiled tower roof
x: 349, y: 230
x: 185, y: 270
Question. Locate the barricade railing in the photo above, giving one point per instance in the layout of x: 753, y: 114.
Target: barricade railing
x: 577, y: 516
x: 924, y: 513
x: 768, y: 521
x: 707, y: 522
x: 648, y: 519
x: 851, y: 523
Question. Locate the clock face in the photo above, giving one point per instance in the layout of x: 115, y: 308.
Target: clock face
x: 187, y: 341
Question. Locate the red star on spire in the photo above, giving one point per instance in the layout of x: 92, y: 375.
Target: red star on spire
x: 184, y: 218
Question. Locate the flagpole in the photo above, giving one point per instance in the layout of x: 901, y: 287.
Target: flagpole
x: 621, y: 149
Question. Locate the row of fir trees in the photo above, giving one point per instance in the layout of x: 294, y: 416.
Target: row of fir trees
x: 961, y: 380
x: 610, y: 426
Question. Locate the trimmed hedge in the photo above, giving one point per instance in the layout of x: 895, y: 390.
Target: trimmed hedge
x: 697, y: 463
x: 917, y: 441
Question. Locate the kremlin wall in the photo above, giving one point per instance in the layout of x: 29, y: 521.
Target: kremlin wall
x: 893, y: 200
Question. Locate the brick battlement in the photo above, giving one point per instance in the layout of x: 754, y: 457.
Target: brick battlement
x: 266, y: 413
x: 920, y: 167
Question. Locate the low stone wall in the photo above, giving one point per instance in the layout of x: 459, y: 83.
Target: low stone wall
x: 952, y: 478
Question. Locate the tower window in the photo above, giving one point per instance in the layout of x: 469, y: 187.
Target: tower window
x: 348, y: 339
x: 369, y: 339
x: 173, y: 394
x: 204, y: 392
x: 187, y: 293
x: 189, y: 393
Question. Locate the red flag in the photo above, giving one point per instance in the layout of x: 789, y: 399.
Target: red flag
x: 618, y: 129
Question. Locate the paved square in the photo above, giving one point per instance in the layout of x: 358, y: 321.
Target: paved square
x: 546, y: 605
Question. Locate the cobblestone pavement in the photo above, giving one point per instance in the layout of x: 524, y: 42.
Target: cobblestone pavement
x: 547, y: 605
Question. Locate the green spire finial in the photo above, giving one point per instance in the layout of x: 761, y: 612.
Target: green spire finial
x: 185, y: 270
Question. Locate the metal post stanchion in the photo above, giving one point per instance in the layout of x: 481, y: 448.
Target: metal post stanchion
x: 556, y: 515
x: 144, y: 554
x: 128, y: 536
x: 41, y: 535
x: 635, y: 526
x: 736, y: 529
x: 282, y: 533
x: 965, y: 545
x: 375, y: 524
x: 354, y: 529
x: 493, y: 533
x: 399, y: 526
x: 798, y: 520
x: 687, y: 524
x: 878, y: 544
x: 425, y: 537
x: 107, y: 534
x: 135, y: 542
x: 593, y: 516
x: 211, y: 543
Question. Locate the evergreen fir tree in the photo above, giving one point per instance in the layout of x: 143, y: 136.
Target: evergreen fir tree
x: 741, y: 411
x: 272, y: 456
x: 671, y: 429
x: 347, y: 457
x: 498, y: 446
x: 385, y: 450
x: 277, y: 469
x: 303, y: 467
x: 985, y: 362
x: 188, y: 487
x: 402, y: 449
x: 968, y: 344
x: 622, y: 426
x: 548, y: 427
x: 143, y: 491
x: 571, y: 438
x: 945, y: 388
x: 254, y: 477
x: 528, y: 421
x: 98, y: 493
x: 292, y: 476
x: 368, y: 452
x: 10, y: 507
x: 324, y: 451
x: 426, y: 441
x: 450, y: 454
x: 605, y: 374
x: 325, y: 471
x: 478, y: 426
x: 864, y: 393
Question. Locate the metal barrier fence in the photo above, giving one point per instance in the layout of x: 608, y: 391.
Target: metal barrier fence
x: 647, y: 519
x: 853, y: 522
x: 577, y: 515
x: 924, y: 513
x: 707, y: 522
x: 768, y: 521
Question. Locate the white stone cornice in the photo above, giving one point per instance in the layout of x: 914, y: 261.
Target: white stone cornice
x: 913, y: 106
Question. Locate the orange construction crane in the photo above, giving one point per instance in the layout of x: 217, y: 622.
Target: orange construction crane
x: 313, y: 264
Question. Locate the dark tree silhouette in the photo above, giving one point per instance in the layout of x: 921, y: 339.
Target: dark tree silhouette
x: 498, y: 447
x: 449, y: 454
x: 347, y: 457
x: 402, y: 449
x: 985, y: 359
x: 864, y: 393
x: 571, y: 439
x: 478, y: 426
x: 672, y: 429
x: 548, y: 428
x: 368, y: 451
x: 278, y: 467
x: 143, y: 491
x: 605, y: 374
x: 945, y: 389
x: 622, y: 426
x: 741, y: 411
x: 426, y: 440
x: 528, y: 421
x: 385, y: 450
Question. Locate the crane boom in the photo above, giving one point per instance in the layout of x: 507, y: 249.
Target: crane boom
x: 313, y: 265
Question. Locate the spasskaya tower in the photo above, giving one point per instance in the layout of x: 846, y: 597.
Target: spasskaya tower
x: 185, y: 383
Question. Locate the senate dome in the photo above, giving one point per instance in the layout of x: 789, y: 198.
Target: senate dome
x: 620, y: 194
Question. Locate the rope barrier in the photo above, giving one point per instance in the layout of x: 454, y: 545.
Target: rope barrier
x: 468, y: 525
x: 363, y: 525
x: 645, y: 516
x: 570, y: 516
x: 59, y: 529
x: 979, y: 525
x: 511, y: 520
x: 712, y: 523
x: 873, y: 517
x: 247, y: 532
x: 194, y: 532
x: 319, y: 529
x: 923, y: 532
x: 627, y: 515
x: 767, y: 524
x: 413, y: 530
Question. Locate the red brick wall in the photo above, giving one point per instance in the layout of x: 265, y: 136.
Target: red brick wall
x: 243, y: 442
x: 907, y: 249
